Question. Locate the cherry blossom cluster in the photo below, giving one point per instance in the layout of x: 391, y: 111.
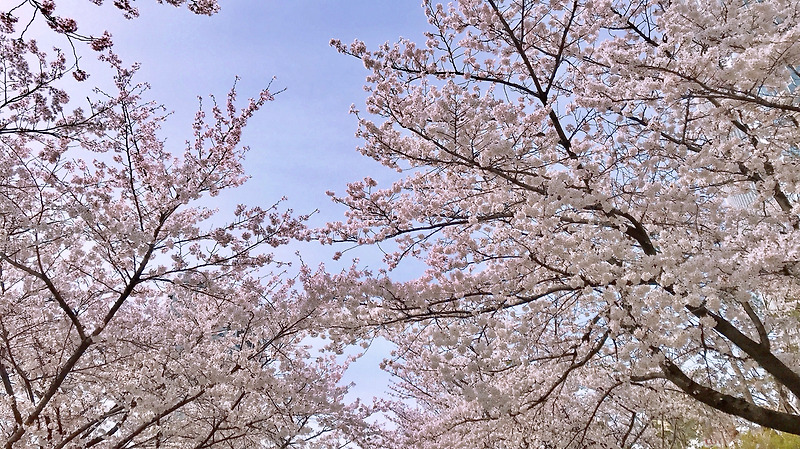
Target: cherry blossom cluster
x: 128, y: 317
x: 604, y: 194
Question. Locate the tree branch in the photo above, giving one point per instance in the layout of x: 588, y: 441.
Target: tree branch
x: 784, y: 422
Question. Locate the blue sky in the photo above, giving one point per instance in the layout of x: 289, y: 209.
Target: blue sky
x: 303, y: 143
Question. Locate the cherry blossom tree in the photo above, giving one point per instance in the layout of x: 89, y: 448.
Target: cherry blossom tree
x: 130, y: 314
x: 604, y: 193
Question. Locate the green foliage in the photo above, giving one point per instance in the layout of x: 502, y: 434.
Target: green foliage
x: 767, y: 439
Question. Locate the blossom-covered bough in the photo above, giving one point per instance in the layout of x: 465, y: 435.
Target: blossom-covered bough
x: 127, y: 317
x: 605, y: 195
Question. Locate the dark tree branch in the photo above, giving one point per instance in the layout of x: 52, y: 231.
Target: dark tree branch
x: 758, y: 351
x: 784, y: 422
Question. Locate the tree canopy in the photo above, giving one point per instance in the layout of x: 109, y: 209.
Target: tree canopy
x: 128, y: 319
x: 604, y: 194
